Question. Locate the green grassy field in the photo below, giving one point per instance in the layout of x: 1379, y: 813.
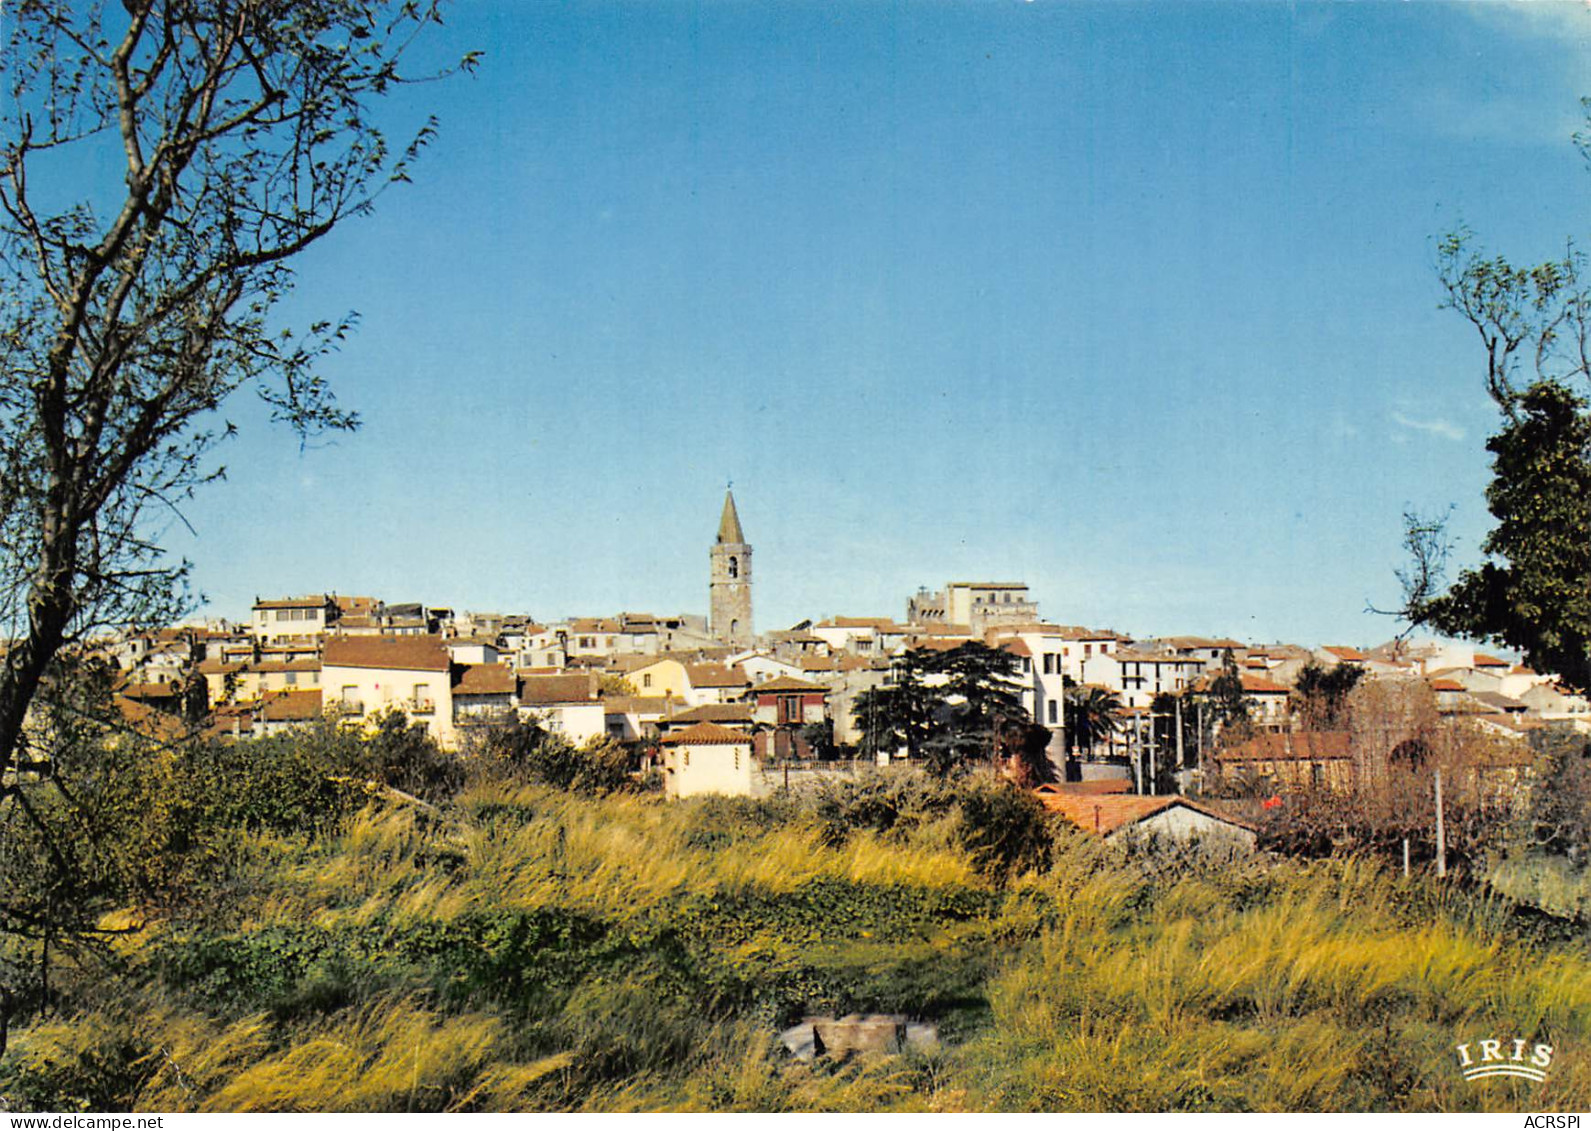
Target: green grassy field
x: 522, y: 947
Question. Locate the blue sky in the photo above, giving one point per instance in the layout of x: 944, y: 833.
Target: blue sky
x: 1134, y: 303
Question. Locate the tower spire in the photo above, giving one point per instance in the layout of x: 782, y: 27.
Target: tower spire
x: 729, y: 525
x: 729, y: 589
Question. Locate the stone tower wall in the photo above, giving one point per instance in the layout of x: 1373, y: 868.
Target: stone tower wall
x: 729, y: 593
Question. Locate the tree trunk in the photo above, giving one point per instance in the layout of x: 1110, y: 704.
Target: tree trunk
x: 50, y: 606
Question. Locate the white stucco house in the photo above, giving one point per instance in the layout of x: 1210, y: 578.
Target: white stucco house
x: 708, y: 758
x: 364, y: 675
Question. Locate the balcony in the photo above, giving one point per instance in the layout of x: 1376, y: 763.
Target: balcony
x: 422, y: 706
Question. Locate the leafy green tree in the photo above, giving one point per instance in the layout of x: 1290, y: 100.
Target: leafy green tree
x: 1094, y: 715
x: 1320, y: 694
x: 819, y: 739
x: 980, y: 704
x: 1004, y: 829
x: 1165, y: 710
x: 611, y: 683
x: 163, y: 163
x: 945, y: 708
x: 899, y: 714
x: 403, y: 754
x: 521, y: 751
x: 1228, y: 704
x: 1558, y: 818
x: 1534, y: 326
x: 1535, y: 595
x: 1026, y: 749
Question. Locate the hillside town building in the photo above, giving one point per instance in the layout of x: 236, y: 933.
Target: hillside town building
x: 718, y: 707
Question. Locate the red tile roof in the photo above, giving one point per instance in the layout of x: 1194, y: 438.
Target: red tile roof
x: 1342, y: 652
x: 878, y: 624
x: 1252, y: 684
x: 218, y: 666
x: 1107, y: 813
x: 708, y: 734
x: 835, y: 663
x: 149, y: 722
x: 484, y: 679
x: 1484, y: 661
x: 292, y: 706
x: 713, y: 713
x: 1091, y: 788
x: 265, y: 666
x: 1146, y: 658
x: 639, y: 704
x: 550, y: 690
x: 715, y: 675
x: 151, y: 690
x: 1299, y: 746
x: 402, y: 653
x: 788, y: 684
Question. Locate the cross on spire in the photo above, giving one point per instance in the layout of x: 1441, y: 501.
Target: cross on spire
x: 729, y: 525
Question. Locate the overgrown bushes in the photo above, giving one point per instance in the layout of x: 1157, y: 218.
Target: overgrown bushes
x: 524, y: 752
x: 1003, y: 829
x: 530, y: 947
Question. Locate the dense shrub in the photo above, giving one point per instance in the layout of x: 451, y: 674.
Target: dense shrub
x: 1000, y: 826
x: 1004, y: 829
x: 405, y: 756
x: 524, y: 752
x: 882, y: 803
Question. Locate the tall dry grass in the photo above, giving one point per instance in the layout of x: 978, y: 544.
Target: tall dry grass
x: 1104, y: 983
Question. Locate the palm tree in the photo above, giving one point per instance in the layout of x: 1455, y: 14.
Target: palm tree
x: 1095, y: 713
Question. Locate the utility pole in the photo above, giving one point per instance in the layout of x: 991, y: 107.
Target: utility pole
x: 1180, y: 762
x: 1154, y: 763
x: 1441, y: 839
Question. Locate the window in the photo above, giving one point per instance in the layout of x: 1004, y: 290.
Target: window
x: 1049, y: 663
x: 1088, y: 650
x: 734, y: 567
x: 290, y: 678
x: 737, y: 757
x: 1054, y: 713
x: 646, y: 681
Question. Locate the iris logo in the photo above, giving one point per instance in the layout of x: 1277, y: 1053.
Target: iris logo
x: 1504, y: 1058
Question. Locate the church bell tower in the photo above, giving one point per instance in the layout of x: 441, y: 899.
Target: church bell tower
x: 729, y: 586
